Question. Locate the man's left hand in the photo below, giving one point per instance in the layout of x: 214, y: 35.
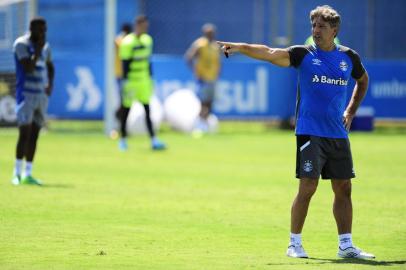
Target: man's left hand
x: 48, y: 89
x: 347, y: 120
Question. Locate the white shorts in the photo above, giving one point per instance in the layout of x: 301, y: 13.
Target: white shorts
x: 32, y: 109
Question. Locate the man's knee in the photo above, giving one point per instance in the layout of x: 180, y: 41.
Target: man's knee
x: 307, y: 187
x: 205, y: 110
x: 341, y: 188
x: 24, y: 133
x: 35, y: 129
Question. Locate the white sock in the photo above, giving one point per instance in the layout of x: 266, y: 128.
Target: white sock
x: 345, y: 240
x: 295, y: 239
x: 18, y: 166
x: 201, y: 124
x: 28, y: 168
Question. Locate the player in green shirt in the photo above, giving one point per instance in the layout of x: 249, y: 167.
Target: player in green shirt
x: 135, y: 51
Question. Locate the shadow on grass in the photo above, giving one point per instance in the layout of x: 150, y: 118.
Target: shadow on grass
x: 57, y: 186
x: 342, y: 261
x: 359, y: 261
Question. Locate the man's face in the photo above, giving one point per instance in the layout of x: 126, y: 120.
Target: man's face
x: 38, y: 32
x: 209, y: 34
x: 323, y: 34
x: 142, y: 27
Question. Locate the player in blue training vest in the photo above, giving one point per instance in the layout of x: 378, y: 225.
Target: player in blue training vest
x: 323, y: 120
x: 323, y: 77
x: 35, y: 76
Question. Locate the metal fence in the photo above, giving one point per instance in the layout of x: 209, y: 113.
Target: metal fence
x: 372, y: 27
x: 14, y: 19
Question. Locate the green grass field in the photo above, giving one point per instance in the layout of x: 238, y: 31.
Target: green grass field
x: 220, y: 202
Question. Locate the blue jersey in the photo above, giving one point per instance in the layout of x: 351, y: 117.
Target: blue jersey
x: 33, y: 82
x: 322, y: 88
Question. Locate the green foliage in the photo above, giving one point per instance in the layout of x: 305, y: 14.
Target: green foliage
x: 220, y: 202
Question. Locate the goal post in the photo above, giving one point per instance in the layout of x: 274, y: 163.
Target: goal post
x: 109, y: 79
x: 15, y: 16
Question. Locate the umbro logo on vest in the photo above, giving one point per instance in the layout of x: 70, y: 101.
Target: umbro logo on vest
x: 316, y: 61
x: 326, y: 80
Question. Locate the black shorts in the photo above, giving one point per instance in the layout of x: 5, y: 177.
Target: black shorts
x: 330, y: 158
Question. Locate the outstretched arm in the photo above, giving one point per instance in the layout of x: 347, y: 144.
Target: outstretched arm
x: 276, y: 56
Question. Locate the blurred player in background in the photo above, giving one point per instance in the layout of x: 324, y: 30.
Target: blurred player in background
x: 35, y: 77
x: 310, y: 41
x: 323, y: 121
x: 126, y: 29
x: 203, y: 57
x: 135, y: 51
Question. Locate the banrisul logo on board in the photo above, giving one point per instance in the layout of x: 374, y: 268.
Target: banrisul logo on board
x: 245, y: 96
x: 327, y: 80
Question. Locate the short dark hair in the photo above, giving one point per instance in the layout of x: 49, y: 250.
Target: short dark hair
x: 37, y: 21
x: 208, y: 27
x: 328, y: 14
x: 126, y: 28
x: 140, y: 19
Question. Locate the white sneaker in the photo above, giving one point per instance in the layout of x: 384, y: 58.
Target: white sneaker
x: 354, y: 252
x: 296, y: 252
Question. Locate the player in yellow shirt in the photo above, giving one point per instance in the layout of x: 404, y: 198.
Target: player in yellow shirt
x: 135, y: 52
x: 203, y: 57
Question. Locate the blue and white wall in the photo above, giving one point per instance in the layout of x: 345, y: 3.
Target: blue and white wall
x: 247, y: 88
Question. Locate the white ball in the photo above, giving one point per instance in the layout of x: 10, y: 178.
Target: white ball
x: 182, y: 109
x: 136, y: 118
